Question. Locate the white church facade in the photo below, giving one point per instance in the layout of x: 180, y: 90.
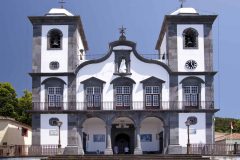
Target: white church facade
x: 123, y: 99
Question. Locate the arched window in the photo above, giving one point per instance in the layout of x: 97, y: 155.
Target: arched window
x: 93, y: 93
x: 190, y: 38
x: 123, y: 92
x: 152, y: 92
x: 192, y: 92
x: 54, y: 39
x: 54, y: 93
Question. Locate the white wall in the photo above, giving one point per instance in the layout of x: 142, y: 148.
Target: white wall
x: 151, y: 126
x: 79, y: 46
x: 11, y: 133
x: 105, y: 70
x: 187, y: 54
x: 200, y: 136
x: 180, y: 89
x: 54, y: 55
x: 92, y: 127
x: 46, y: 128
x: 163, y: 49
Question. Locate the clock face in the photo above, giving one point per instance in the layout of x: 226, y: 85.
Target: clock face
x: 191, y: 64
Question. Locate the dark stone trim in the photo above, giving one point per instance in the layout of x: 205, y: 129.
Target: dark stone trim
x: 194, y: 73
x: 173, y: 128
x: 36, y: 88
x: 93, y: 79
x: 36, y: 129
x: 72, y: 48
x: 209, y: 127
x: 61, y: 20
x: 72, y: 89
x: 183, y: 19
x: 208, y: 47
x: 36, y: 48
x: 52, y: 74
x: 173, y: 90
x: 122, y: 111
x: 122, y: 80
x: 209, y: 89
x: 192, y: 78
x: 126, y: 43
x: 122, y: 74
x: 53, y: 79
x: 151, y: 79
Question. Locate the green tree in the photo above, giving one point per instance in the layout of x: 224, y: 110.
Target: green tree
x: 24, y: 104
x: 8, y: 100
x: 224, y: 125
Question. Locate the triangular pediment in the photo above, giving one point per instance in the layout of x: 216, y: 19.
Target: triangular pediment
x: 93, y: 80
x: 152, y: 79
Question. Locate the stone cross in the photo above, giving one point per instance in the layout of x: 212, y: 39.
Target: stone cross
x: 122, y: 31
x: 61, y: 2
x: 182, y: 1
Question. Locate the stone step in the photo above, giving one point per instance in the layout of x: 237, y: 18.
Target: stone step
x: 127, y: 157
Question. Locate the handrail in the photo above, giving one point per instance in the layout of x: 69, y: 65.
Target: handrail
x: 134, y: 105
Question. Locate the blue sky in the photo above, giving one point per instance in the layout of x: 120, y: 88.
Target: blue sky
x: 142, y: 18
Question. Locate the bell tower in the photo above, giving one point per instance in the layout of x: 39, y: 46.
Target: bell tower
x: 185, y: 41
x: 58, y: 41
x: 59, y: 46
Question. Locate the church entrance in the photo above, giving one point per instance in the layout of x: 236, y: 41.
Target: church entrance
x: 121, y: 141
x: 122, y: 135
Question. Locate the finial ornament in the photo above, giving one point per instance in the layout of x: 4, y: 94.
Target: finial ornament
x: 61, y: 2
x: 122, y: 32
x: 182, y: 1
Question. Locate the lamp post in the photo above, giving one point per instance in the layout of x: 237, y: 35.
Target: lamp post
x: 59, y: 124
x: 188, y: 123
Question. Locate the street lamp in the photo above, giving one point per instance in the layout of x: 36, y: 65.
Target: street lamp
x: 59, y: 124
x: 188, y: 123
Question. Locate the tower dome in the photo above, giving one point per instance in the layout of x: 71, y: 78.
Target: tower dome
x: 185, y: 11
x: 59, y: 12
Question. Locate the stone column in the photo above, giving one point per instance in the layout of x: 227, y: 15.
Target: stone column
x: 108, y: 150
x: 138, y: 147
x: 74, y: 146
x: 80, y: 144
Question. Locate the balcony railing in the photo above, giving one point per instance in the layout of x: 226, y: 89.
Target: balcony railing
x: 136, y: 105
x: 147, y: 56
x: 215, y: 149
x: 29, y: 150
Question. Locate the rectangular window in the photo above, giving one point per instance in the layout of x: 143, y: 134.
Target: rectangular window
x: 191, y: 95
x: 152, y: 96
x: 93, y: 96
x: 123, y: 95
x: 24, y: 132
x: 54, y: 96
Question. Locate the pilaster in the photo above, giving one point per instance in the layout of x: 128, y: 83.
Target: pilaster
x: 108, y: 150
x: 138, y: 148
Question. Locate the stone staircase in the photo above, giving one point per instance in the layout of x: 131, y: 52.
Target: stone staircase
x: 127, y: 157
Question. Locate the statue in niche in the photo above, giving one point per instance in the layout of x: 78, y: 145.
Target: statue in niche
x: 123, y: 67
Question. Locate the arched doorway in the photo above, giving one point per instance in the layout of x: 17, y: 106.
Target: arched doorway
x: 122, y: 140
x: 152, y: 131
x: 122, y: 134
x: 94, y: 135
